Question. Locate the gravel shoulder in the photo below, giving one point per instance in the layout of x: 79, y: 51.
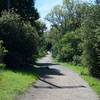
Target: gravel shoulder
x: 58, y: 83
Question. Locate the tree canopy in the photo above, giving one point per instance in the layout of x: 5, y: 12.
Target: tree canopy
x: 75, y: 33
x: 25, y: 8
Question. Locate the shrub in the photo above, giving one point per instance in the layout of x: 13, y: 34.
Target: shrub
x: 42, y: 50
x: 91, y: 41
x: 3, y: 52
x: 20, y: 39
x: 67, y: 48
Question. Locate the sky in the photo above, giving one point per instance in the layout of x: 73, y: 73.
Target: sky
x: 45, y: 6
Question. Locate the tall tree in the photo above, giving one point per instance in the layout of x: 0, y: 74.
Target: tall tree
x: 56, y: 17
x: 63, y: 17
x: 23, y: 7
x: 20, y: 39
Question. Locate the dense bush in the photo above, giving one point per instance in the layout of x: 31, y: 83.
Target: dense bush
x: 91, y: 41
x: 20, y: 39
x: 42, y: 50
x: 67, y: 49
x: 3, y: 52
x: 25, y: 8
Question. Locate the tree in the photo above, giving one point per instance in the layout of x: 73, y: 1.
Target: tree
x: 67, y: 48
x: 75, y: 34
x: 91, y: 41
x: 40, y: 27
x: 3, y: 51
x: 64, y: 17
x: 20, y: 39
x: 56, y: 17
x: 25, y: 8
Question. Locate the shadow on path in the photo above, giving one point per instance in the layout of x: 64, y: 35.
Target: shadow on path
x: 45, y: 70
x: 53, y: 86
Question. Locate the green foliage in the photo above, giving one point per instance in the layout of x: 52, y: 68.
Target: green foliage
x: 3, y: 52
x: 67, y: 48
x: 40, y: 27
x: 64, y: 18
x: 20, y: 39
x: 56, y: 17
x: 42, y: 50
x: 25, y: 8
x: 75, y: 34
x: 2, y: 66
x: 91, y: 41
x: 54, y: 36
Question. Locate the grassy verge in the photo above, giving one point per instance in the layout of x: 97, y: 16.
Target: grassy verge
x: 83, y: 71
x: 14, y: 83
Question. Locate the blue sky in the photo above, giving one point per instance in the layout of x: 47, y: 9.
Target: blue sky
x: 45, y: 6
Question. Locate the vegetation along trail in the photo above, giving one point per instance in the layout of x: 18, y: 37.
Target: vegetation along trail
x: 58, y: 83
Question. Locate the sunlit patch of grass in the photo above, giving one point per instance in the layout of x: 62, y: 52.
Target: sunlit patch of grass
x: 14, y: 83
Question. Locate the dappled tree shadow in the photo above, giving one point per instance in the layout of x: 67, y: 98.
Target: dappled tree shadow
x: 41, y: 69
x: 45, y: 64
x: 44, y: 70
x: 58, y: 87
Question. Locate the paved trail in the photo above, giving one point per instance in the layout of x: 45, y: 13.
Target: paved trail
x: 58, y: 83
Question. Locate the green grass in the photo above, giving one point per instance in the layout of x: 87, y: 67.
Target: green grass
x: 94, y: 83
x: 14, y: 83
